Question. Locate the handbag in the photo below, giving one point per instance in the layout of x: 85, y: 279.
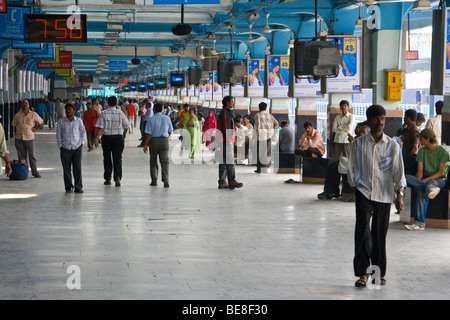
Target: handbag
x: 19, y: 170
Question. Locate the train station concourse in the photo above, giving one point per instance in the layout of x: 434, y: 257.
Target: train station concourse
x: 98, y: 88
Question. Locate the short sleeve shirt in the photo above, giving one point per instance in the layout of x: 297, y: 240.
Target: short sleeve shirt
x: 24, y: 124
x: 431, y: 160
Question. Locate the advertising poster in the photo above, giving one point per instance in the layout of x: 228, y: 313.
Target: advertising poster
x: 256, y: 69
x: 278, y: 76
x: 238, y: 90
x: 447, y: 55
x: 217, y: 88
x: 201, y: 92
x: 209, y: 87
x: 349, y: 79
x: 306, y: 86
x: 191, y: 90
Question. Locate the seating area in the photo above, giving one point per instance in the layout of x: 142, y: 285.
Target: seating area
x: 315, y: 169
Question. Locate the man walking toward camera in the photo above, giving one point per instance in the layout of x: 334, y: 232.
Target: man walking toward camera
x: 376, y: 172
x: 112, y: 127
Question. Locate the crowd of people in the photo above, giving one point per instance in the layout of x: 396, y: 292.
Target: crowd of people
x: 373, y: 168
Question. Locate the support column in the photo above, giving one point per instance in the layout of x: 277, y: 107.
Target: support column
x: 387, y: 55
x: 280, y: 109
x: 445, y: 121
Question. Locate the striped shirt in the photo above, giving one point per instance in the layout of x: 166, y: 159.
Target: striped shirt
x: 376, y: 169
x: 112, y: 121
x: 266, y: 125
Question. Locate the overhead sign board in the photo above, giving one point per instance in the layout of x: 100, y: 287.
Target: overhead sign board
x: 50, y: 55
x: 118, y: 65
x: 19, y: 44
x: 42, y: 50
x: 12, y: 23
x: 65, y: 62
x: 2, y: 6
x: 166, y: 2
x: 54, y: 28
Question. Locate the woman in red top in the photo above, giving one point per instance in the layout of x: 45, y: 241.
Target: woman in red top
x: 90, y: 117
x: 208, y: 125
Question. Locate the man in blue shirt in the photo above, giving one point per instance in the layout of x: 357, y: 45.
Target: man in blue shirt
x: 157, y: 133
x: 78, y: 108
x: 51, y: 113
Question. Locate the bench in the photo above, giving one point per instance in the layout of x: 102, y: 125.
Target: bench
x: 288, y: 163
x: 315, y: 169
x: 438, y: 213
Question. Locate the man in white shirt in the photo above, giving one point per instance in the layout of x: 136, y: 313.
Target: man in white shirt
x: 376, y: 172
x: 435, y: 123
x: 343, y: 125
x: 70, y: 137
x: 112, y: 126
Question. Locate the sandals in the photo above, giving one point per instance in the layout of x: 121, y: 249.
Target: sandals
x: 362, y: 282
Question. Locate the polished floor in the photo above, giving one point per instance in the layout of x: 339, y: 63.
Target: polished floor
x: 268, y: 240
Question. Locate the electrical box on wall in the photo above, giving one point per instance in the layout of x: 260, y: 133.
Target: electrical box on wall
x: 394, y: 85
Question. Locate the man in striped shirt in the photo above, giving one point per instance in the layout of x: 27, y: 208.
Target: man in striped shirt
x: 376, y: 172
x: 112, y: 126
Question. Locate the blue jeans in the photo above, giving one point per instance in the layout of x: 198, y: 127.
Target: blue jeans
x: 422, y: 198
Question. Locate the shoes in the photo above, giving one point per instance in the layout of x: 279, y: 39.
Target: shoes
x: 326, y: 196
x: 414, y: 227
x: 153, y: 184
x: 348, y: 199
x: 107, y: 183
x: 37, y: 175
x: 432, y: 191
x: 166, y: 184
x: 79, y: 191
x: 68, y: 190
x: 257, y: 171
x: 223, y: 186
x: 234, y: 185
x: 117, y: 181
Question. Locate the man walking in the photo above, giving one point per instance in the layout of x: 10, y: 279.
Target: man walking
x: 112, y: 127
x: 70, y: 137
x: 26, y: 123
x: 266, y: 127
x: 90, y: 117
x: 376, y: 171
x: 225, y: 138
x: 51, y: 114
x: 130, y: 109
x: 158, y: 130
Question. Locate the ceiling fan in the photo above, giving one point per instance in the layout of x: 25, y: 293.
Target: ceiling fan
x: 250, y: 38
x: 135, y: 61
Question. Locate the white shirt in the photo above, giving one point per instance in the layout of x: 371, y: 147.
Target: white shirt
x: 341, y: 125
x: 112, y: 121
x: 376, y: 169
x: 70, y: 135
x: 436, y: 125
x: 241, y: 133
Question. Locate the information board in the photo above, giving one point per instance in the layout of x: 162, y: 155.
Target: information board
x: 12, y: 23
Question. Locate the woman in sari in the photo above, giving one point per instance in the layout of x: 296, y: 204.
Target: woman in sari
x: 193, y: 127
x: 208, y: 126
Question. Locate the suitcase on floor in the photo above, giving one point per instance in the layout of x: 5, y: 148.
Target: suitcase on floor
x: 19, y: 170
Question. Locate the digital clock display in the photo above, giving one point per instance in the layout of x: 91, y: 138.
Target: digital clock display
x: 56, y: 28
x: 85, y: 79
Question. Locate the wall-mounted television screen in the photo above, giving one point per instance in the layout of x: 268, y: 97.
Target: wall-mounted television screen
x: 142, y: 87
x: 126, y: 88
x: 160, y: 83
x: 178, y: 80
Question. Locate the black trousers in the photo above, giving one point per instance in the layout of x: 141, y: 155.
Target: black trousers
x: 333, y: 180
x: 112, y: 156
x: 370, y: 242
x: 71, y: 162
x: 159, y: 146
x: 226, y: 166
x: 308, y: 152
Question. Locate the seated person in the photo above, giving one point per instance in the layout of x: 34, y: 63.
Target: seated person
x: 286, y: 138
x: 431, y: 175
x: 241, y: 137
x: 311, y: 142
x: 420, y: 120
x: 336, y: 169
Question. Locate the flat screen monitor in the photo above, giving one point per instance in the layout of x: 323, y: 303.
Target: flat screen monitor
x: 177, y: 80
x: 160, y: 83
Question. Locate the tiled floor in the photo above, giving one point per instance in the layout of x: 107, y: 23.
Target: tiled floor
x: 268, y: 240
